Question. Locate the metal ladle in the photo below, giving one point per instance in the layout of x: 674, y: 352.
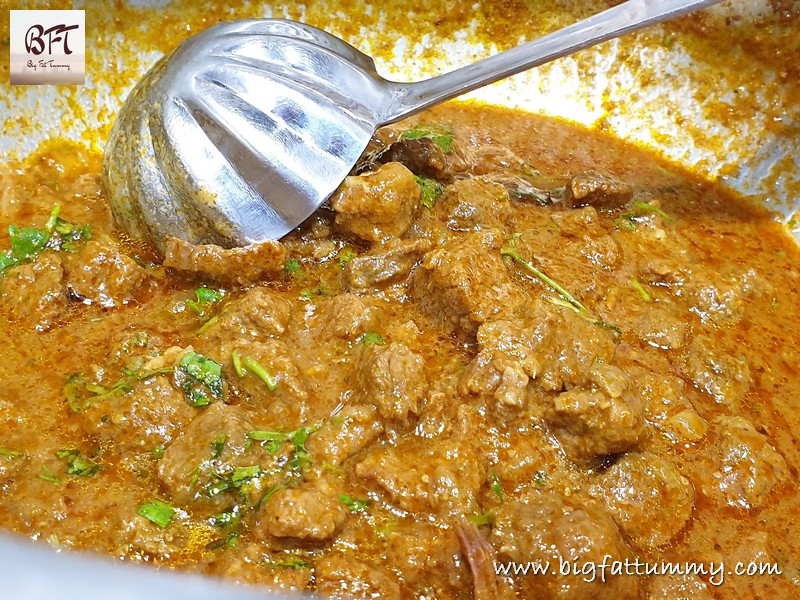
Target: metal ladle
x: 247, y: 128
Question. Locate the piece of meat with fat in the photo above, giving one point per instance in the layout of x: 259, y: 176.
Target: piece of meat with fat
x: 242, y: 266
x: 648, y: 498
x: 378, y: 205
x: 345, y: 316
x: 742, y: 469
x: 598, y: 190
x: 384, y: 264
x: 474, y: 204
x: 464, y: 284
x: 547, y: 528
x: 258, y: 314
x: 425, y: 158
x: 35, y: 293
x: 213, y: 443
x: 391, y: 377
x: 352, y: 429
x: 443, y: 476
x: 148, y: 416
x: 311, y: 511
x: 344, y: 578
x: 101, y: 274
x: 606, y: 417
x: 723, y: 377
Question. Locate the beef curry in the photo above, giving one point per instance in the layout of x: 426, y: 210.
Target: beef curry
x: 504, y: 340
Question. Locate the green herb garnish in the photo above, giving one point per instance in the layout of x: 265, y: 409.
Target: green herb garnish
x: 354, y: 505
x: 292, y: 267
x: 11, y: 453
x: 157, y: 452
x: 82, y: 393
x: 486, y: 518
x: 203, y: 379
x: 48, y: 475
x: 495, y: 485
x: 276, y: 439
x: 371, y: 338
x: 640, y: 288
x: 261, y: 372
x: 431, y: 190
x: 540, y: 479
x: 243, y: 475
x: 289, y: 562
x: 646, y: 207
x: 344, y: 256
x: 158, y: 512
x: 441, y: 136
x: 77, y: 464
x: 218, y: 445
x: 205, y: 298
x: 564, y: 298
x: 227, y: 518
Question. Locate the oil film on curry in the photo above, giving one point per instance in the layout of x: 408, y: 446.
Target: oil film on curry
x: 506, y: 340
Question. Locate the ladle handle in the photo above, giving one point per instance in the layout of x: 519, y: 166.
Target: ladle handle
x: 410, y: 98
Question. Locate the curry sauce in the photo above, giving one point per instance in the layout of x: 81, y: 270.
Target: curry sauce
x: 505, y: 339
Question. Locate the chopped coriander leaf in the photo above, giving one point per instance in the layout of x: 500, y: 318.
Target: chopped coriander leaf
x: 210, y: 323
x: 272, y: 490
x: 11, y: 453
x: 440, y: 136
x: 82, y: 393
x: 354, y: 505
x: 345, y: 255
x: 261, y: 373
x: 138, y: 339
x: 202, y: 375
x: 218, y: 445
x: 310, y: 293
x: 227, y: 518
x: 642, y: 291
x: 288, y: 562
x: 27, y: 243
x: 242, y: 475
x: 495, y: 485
x: 647, y: 207
x: 371, y: 337
x: 486, y: 518
x: 229, y: 541
x: 302, y: 456
x: 274, y: 439
x: 77, y: 464
x: 205, y: 297
x: 431, y: 190
x: 48, y: 475
x: 540, y: 478
x: 292, y: 267
x: 237, y: 363
x: 158, y: 512
x: 158, y: 452
x: 6, y: 261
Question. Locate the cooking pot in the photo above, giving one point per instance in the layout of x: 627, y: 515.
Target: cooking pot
x: 717, y: 93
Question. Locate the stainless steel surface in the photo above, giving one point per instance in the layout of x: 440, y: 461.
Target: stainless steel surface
x: 247, y: 128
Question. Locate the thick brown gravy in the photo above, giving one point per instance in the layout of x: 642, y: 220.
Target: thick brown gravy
x: 440, y: 407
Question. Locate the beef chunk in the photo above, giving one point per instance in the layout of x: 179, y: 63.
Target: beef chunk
x: 721, y: 299
x: 547, y: 528
x: 242, y: 266
x: 648, y: 497
x: 723, y: 377
x: 429, y: 555
x: 464, y: 284
x: 669, y: 587
x: 426, y: 158
x: 597, y: 190
x: 191, y: 463
x: 662, y: 328
x: 348, y: 432
x: 667, y: 407
x: 341, y: 578
x: 444, y: 475
x: 148, y: 416
x: 743, y: 468
x: 34, y: 293
x: 309, y: 512
x: 378, y: 205
x: 603, y: 418
x: 492, y: 373
x: 103, y: 275
x: 345, y: 316
x: 391, y: 377
x: 260, y: 313
x: 473, y: 204
x: 384, y: 264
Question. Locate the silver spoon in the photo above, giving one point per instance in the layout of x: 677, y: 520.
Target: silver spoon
x: 247, y: 128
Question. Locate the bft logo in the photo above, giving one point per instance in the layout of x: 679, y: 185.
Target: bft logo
x: 47, y: 47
